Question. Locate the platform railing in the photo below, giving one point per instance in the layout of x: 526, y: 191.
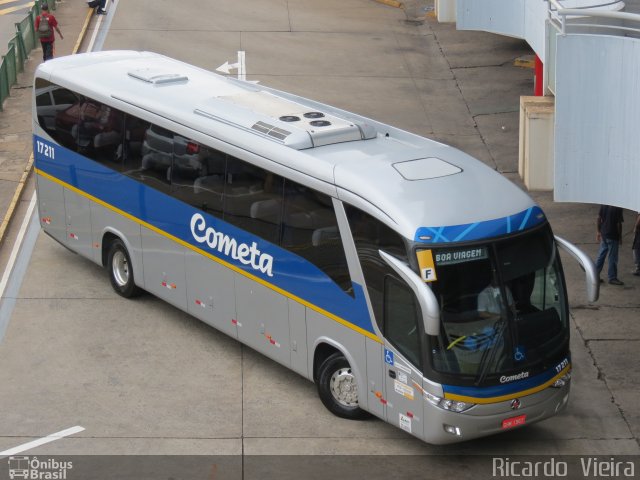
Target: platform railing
x: 592, y: 19
x: 18, y: 49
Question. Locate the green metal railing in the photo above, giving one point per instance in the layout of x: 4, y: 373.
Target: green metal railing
x: 7, y: 79
x: 18, y: 49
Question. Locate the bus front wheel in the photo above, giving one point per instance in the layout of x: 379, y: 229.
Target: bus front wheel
x: 121, y: 270
x: 338, y: 388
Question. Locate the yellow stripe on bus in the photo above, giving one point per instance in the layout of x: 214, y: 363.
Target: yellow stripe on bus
x: 210, y: 256
x: 502, y: 398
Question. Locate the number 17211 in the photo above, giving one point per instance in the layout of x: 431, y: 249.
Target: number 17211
x: 46, y: 150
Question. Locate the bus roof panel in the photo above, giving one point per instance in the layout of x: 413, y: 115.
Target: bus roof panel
x: 415, y: 181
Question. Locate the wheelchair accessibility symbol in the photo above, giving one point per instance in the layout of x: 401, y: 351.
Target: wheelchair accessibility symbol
x: 519, y: 355
x: 388, y: 356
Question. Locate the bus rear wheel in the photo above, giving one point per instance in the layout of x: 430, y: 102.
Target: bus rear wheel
x: 338, y: 388
x: 121, y: 270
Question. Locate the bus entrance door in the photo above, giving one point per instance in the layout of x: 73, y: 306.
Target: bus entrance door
x: 403, y: 393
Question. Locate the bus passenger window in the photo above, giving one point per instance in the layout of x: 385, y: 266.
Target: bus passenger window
x: 134, y: 132
x: 253, y: 199
x: 52, y: 101
x: 99, y: 134
x: 197, y: 177
x: 310, y: 229
x: 148, y: 153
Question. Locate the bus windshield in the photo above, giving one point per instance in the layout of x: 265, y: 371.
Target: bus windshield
x: 503, y: 309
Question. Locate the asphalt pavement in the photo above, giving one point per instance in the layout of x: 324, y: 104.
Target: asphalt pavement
x: 461, y: 88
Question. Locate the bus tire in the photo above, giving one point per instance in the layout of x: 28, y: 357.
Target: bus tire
x: 121, y: 270
x: 338, y: 388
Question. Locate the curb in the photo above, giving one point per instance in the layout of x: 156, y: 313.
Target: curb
x: 83, y: 31
x: 391, y: 3
x: 16, y: 198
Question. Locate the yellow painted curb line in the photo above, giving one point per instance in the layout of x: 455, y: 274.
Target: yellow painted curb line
x: 16, y: 198
x: 83, y: 32
x: 519, y: 62
x: 391, y: 3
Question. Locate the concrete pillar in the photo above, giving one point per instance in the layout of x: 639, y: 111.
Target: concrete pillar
x: 446, y: 10
x: 536, y: 152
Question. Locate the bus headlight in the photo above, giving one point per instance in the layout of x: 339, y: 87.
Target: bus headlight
x: 446, y: 404
x: 562, y: 381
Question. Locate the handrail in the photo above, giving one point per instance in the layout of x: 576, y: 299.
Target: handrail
x: 559, y: 16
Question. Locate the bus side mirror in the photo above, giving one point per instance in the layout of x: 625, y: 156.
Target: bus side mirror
x: 427, y: 300
x: 593, y: 280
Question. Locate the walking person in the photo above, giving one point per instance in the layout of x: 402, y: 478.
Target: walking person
x: 636, y: 246
x: 45, y: 23
x: 609, y: 234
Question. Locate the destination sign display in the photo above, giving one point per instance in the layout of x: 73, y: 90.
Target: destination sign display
x: 451, y: 257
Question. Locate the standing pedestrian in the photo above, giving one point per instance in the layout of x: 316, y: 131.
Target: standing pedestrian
x: 45, y: 23
x: 636, y: 246
x: 101, y: 4
x: 609, y: 234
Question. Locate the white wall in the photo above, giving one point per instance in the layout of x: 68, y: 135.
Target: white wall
x: 505, y: 17
x: 523, y: 19
x: 597, y: 144
x: 515, y: 18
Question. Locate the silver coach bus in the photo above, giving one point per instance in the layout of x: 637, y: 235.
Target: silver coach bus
x: 403, y: 277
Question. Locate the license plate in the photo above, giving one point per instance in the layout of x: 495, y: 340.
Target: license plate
x: 513, y: 422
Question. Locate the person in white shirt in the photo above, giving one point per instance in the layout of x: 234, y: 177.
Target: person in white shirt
x: 490, y: 302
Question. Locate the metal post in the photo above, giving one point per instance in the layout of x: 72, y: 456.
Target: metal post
x: 22, y: 49
x: 539, y: 77
x: 242, y: 73
x: 3, y: 81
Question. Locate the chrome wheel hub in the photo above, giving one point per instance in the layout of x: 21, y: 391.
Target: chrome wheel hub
x: 344, y: 388
x: 120, y: 268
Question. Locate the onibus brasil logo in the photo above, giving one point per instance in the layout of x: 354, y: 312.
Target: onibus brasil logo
x: 33, y: 468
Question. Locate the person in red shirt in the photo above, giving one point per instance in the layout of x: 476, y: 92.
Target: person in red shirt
x: 47, y: 37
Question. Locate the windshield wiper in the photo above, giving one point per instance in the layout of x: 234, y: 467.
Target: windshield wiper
x: 489, y: 354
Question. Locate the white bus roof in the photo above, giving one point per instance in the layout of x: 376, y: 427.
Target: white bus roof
x: 405, y: 180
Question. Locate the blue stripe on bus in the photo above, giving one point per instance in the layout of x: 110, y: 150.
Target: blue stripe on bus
x: 501, y: 390
x: 291, y: 272
x: 524, y: 220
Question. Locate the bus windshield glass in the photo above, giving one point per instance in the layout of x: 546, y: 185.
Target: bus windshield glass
x: 503, y: 308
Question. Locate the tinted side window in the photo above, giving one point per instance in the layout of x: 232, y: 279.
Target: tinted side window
x: 401, y: 319
x: 371, y: 235
x: 62, y: 96
x: 134, y: 134
x: 253, y: 199
x: 310, y: 229
x: 44, y: 99
x: 197, y: 176
x: 100, y: 133
x: 60, y: 117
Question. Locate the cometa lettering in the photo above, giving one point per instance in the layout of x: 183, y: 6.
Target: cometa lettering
x: 511, y: 378
x: 226, y: 245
